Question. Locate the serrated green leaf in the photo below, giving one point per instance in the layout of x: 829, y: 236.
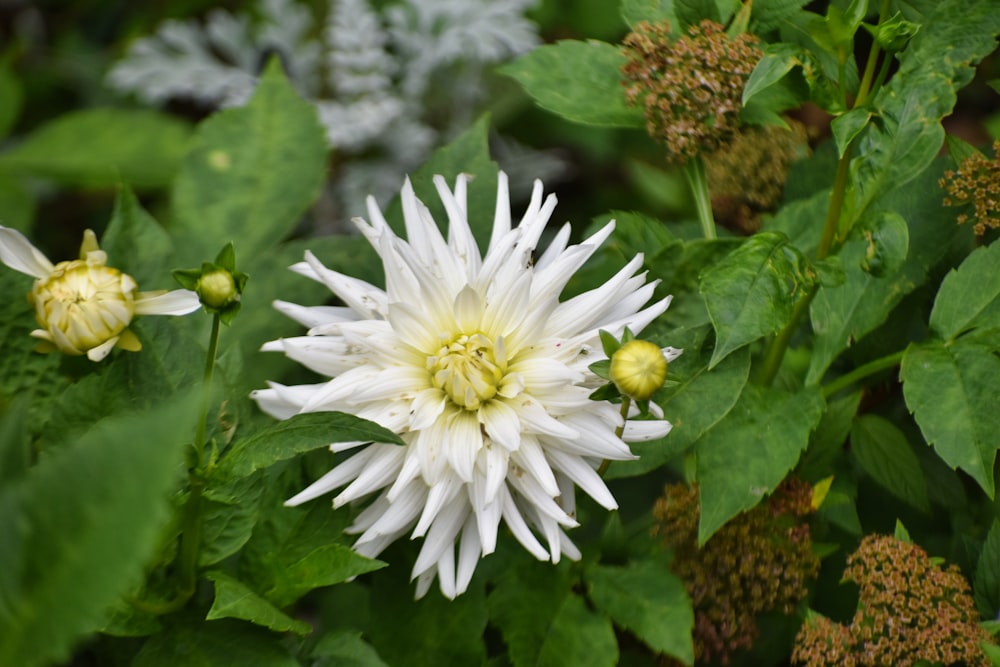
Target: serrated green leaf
x: 986, y: 583
x: 885, y: 454
x: 193, y: 642
x: 969, y: 296
x: 750, y: 293
x: 228, y: 518
x: 747, y: 454
x: 428, y: 632
x: 234, y: 599
x: 580, y: 81
x: 345, y: 649
x: 100, y: 147
x: 301, y: 433
x: 649, y: 601
x: 79, y: 526
x: 652, y: 11
x: 951, y: 391
x: 580, y: 637
x: 250, y: 174
x: 136, y: 244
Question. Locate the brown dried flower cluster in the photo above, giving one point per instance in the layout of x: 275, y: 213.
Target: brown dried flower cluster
x: 691, y: 87
x: 758, y: 562
x: 976, y: 182
x: 909, y: 610
x: 747, y: 176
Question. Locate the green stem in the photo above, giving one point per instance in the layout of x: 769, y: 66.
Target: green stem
x: 872, y: 367
x: 620, y: 431
x: 694, y: 170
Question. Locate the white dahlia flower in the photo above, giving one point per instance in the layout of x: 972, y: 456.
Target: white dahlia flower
x: 82, y: 305
x: 480, y: 369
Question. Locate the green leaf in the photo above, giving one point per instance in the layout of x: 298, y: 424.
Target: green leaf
x: 234, y: 599
x: 826, y: 442
x: 429, y: 632
x: 12, y: 94
x: 885, y: 454
x: 848, y: 126
x: 301, y: 433
x: 969, y: 296
x: 692, y: 12
x: 778, y: 60
x: 79, y: 526
x: 229, y: 515
x: 770, y: 14
x: 649, y: 601
x: 750, y: 293
x: 193, y: 642
x: 951, y: 391
x: 888, y: 239
x: 100, y: 147
x: 653, y: 11
x: 986, y: 583
x: 15, y: 446
x: 136, y: 244
x: 580, y: 81
x: 250, y: 174
x: 17, y: 203
x: 747, y: 454
x: 345, y: 649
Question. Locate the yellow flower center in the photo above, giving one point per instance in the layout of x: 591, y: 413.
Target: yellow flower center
x: 83, y: 303
x: 470, y: 369
x: 638, y: 369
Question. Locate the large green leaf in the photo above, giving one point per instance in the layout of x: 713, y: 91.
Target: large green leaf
x: 136, y: 244
x: 234, y: 599
x: 986, y: 584
x: 580, y: 81
x: 100, y: 147
x: 747, y: 454
x: 17, y: 203
x: 250, y: 174
x: 229, y: 514
x: 969, y: 295
x: 301, y: 433
x: 952, y: 391
x: 649, y: 601
x: 544, y: 622
x: 78, y: 527
x: 345, y: 649
x: 193, y: 642
x: 12, y: 94
x: 750, y: 293
x: 885, y: 454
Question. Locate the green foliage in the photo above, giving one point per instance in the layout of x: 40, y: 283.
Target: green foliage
x: 969, y: 297
x: 884, y: 453
x: 222, y: 643
x: 986, y: 583
x: 233, y: 599
x: 77, y: 527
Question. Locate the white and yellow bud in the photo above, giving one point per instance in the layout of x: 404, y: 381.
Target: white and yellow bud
x: 217, y: 288
x: 638, y: 369
x: 84, y: 306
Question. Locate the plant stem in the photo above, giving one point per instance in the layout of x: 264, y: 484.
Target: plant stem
x: 620, y: 431
x: 694, y: 170
x: 872, y: 367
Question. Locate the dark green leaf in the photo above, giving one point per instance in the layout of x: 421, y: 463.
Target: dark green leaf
x: 250, y: 174
x: 12, y: 94
x: 885, y: 454
x: 301, y: 433
x: 986, y: 584
x: 692, y: 12
x: 193, y: 642
x: 827, y: 441
x: 229, y: 515
x: 100, y: 147
x: 121, y: 619
x: 79, y: 526
x: 234, y: 599
x: 649, y: 601
x: 136, y: 244
x: 345, y: 649
x: 969, y: 295
x: 15, y: 446
x: 951, y: 391
x: 750, y: 293
x: 747, y: 454
x: 17, y: 203
x: 580, y: 81
x: 770, y: 14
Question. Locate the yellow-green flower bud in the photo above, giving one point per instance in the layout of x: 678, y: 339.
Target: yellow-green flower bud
x: 83, y: 305
x: 638, y: 369
x: 217, y: 289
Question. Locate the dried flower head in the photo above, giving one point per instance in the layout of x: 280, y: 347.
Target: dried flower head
x: 691, y: 88
x: 910, y: 611
x: 747, y: 176
x: 976, y: 182
x: 758, y: 562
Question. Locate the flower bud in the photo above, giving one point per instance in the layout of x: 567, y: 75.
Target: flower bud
x: 638, y: 369
x: 217, y: 289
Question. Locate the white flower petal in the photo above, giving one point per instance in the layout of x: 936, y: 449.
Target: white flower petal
x: 17, y: 252
x: 176, y: 302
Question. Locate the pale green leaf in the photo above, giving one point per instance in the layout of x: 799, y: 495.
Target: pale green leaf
x: 649, y: 601
x: 250, y: 174
x: 100, y: 147
x: 747, y: 454
x: 885, y: 454
x: 80, y: 525
x: 234, y: 599
x: 750, y: 293
x: 951, y: 391
x: 969, y: 296
x: 580, y: 81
